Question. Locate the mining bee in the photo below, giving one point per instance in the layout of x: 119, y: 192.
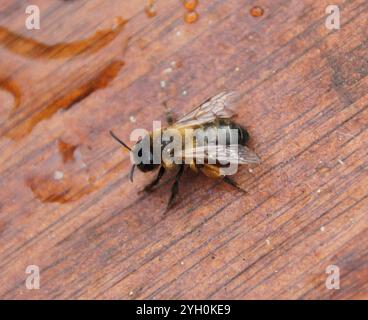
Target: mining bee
x: 214, y: 115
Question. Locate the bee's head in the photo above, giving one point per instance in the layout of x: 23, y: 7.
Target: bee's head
x: 142, y: 154
x: 143, y: 158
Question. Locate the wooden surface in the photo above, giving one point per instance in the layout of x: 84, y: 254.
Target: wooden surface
x: 66, y: 203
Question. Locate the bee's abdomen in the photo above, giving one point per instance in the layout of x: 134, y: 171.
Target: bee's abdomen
x: 243, y: 135
x: 230, y: 128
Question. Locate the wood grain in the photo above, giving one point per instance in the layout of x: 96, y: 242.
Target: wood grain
x: 66, y: 203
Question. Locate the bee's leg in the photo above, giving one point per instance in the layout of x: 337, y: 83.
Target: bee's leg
x: 175, y: 187
x: 233, y: 183
x: 169, y: 114
x: 150, y: 186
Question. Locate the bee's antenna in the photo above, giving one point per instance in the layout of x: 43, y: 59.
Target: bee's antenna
x: 118, y: 140
x: 131, y: 173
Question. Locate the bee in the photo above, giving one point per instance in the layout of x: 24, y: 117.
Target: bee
x: 213, y: 115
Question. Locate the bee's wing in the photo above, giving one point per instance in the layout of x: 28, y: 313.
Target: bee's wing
x: 218, y: 107
x: 235, y: 154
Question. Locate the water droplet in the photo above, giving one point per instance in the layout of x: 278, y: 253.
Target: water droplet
x: 168, y: 70
x: 58, y: 175
x: 50, y: 183
x: 150, y: 9
x: 256, y: 11
x: 191, y: 17
x: 17, y: 130
x: 190, y: 4
x: 163, y: 84
x: 37, y: 50
x: 177, y: 64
